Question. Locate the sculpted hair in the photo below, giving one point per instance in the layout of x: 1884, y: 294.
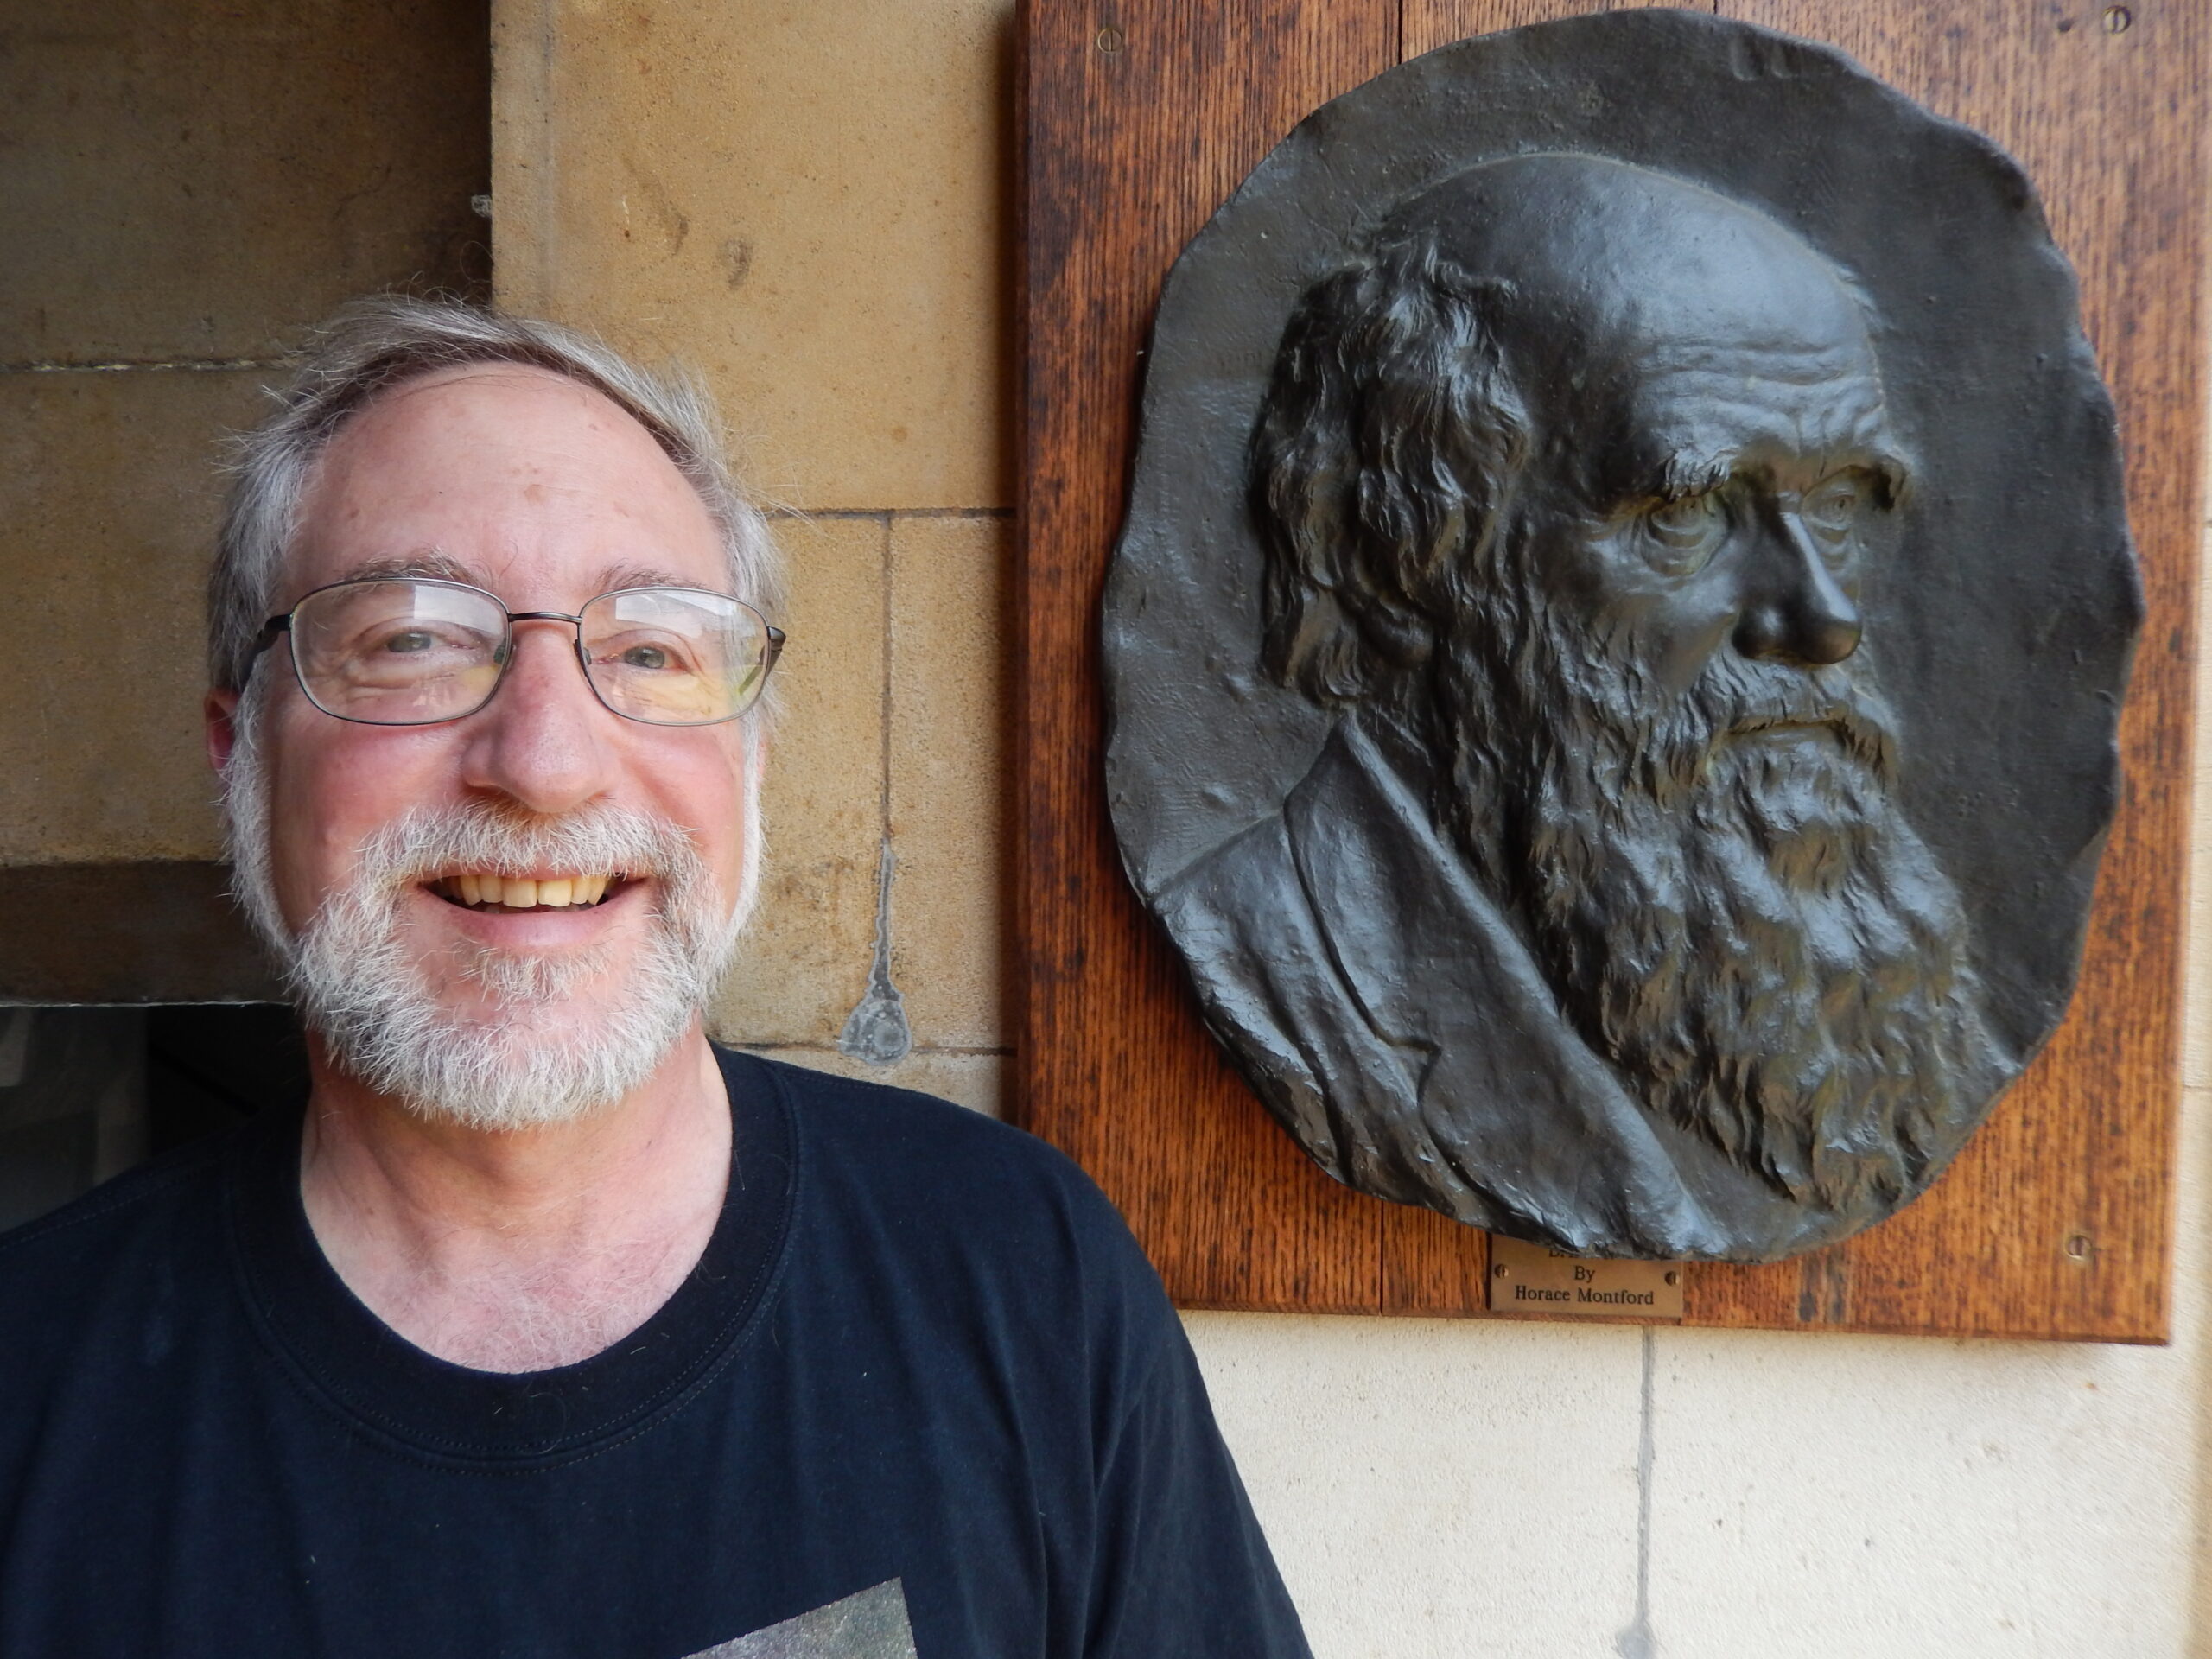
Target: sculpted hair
x: 1382, y: 472
x: 376, y: 344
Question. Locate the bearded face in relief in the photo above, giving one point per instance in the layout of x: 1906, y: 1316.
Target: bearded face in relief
x: 1570, y: 492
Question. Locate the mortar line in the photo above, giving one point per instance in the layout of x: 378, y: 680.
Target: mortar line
x: 151, y: 365
x: 877, y: 1030
x: 549, y: 133
x: 1637, y: 1642
x: 887, y: 861
x: 540, y: 164
x: 1644, y: 1457
x: 885, y: 745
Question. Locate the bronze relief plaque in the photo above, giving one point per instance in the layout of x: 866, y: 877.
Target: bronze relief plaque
x: 1614, y: 657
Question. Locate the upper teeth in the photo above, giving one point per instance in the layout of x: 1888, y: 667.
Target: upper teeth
x: 522, y: 893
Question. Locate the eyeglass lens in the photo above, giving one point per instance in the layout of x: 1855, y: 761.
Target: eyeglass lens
x: 402, y: 652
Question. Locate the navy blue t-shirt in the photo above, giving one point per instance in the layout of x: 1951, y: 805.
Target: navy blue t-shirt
x: 922, y: 1396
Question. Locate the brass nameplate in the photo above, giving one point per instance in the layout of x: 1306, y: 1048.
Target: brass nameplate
x: 1530, y: 1279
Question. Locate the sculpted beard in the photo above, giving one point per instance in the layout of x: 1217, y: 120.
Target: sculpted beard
x: 543, y: 1052
x: 1727, y: 899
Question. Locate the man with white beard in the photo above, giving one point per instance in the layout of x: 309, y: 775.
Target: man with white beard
x: 1596, y: 921
x: 548, y: 1327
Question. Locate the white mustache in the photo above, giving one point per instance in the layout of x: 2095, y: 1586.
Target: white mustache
x: 431, y: 843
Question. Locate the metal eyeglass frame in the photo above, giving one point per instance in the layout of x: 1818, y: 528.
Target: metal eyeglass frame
x: 282, y: 625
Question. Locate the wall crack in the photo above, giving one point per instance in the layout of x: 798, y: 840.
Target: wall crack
x: 876, y: 1030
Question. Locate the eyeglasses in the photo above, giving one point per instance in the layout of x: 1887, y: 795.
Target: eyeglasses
x: 409, y: 650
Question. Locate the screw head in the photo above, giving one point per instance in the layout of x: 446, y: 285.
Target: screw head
x: 1109, y: 39
x: 2116, y: 19
x: 2079, y: 1248
x: 1498, y: 1272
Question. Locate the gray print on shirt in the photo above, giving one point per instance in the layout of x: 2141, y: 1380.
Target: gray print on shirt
x: 870, y: 1624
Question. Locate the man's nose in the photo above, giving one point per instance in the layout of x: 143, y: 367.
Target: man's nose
x: 1794, y: 609
x: 542, y: 742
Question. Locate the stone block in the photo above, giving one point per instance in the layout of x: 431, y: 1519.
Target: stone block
x: 805, y: 961
x: 108, y: 503
x: 975, y: 1081
x: 158, y: 931
x: 951, y: 638
x: 1435, y: 1489
x: 808, y: 201
x: 1830, y: 1498
x: 189, y: 179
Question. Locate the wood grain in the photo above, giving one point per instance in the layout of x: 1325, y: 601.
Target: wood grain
x: 1139, y: 119
x: 1142, y: 118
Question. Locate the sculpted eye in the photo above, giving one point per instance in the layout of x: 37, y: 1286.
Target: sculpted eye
x: 1679, y: 537
x: 1832, y: 507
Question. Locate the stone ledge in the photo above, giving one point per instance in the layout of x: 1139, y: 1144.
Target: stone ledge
x: 156, y: 932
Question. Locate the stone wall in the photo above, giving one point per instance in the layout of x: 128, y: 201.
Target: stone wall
x: 808, y: 203
x: 186, y: 185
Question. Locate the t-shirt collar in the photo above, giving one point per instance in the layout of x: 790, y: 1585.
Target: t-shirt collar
x: 355, y: 1364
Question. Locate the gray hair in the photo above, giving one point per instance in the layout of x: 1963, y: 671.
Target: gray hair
x: 375, y: 344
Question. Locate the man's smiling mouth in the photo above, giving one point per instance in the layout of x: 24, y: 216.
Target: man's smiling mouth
x: 487, y: 892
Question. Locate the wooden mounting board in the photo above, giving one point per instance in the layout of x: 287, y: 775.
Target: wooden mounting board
x: 1138, y: 118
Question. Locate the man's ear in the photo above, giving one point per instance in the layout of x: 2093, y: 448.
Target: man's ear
x: 220, y: 710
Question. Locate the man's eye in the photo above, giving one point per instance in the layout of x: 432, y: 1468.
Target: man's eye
x: 647, y: 657
x: 413, y: 640
x: 1681, y: 535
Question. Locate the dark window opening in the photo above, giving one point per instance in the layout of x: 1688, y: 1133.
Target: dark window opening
x: 87, y: 1093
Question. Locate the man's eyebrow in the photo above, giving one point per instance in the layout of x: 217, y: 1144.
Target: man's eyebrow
x: 431, y: 565
x: 615, y: 577
x: 435, y: 566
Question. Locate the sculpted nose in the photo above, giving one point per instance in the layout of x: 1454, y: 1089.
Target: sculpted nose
x: 1795, y: 608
